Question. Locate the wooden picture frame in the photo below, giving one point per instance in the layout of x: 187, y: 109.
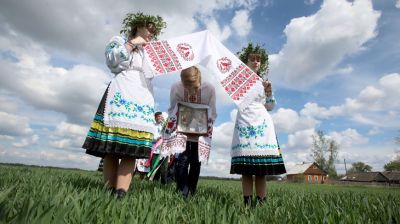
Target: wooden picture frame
x: 192, y: 119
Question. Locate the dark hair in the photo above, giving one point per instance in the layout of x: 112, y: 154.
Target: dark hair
x: 157, y: 113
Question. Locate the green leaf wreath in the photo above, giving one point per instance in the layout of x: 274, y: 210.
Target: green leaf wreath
x: 134, y: 20
x: 257, y: 49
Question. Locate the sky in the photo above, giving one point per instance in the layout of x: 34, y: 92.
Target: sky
x: 334, y: 65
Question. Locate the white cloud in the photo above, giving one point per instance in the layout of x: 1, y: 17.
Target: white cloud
x: 65, y: 129
x: 27, y: 141
x: 347, y: 138
x: 6, y: 138
x: 313, y: 110
x: 74, y: 92
x: 221, y: 34
x: 374, y: 131
x: 309, y: 2
x: 241, y: 23
x: 375, y: 105
x: 317, y: 43
x: 68, y: 136
x: 79, y: 30
x: 14, y: 125
x: 300, y: 141
x: 289, y: 121
x: 398, y: 4
x: 346, y: 70
x: 8, y: 105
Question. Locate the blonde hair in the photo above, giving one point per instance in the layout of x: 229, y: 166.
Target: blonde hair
x: 191, y: 78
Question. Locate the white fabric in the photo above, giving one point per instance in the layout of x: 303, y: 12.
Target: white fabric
x: 130, y: 100
x: 254, y: 133
x: 238, y: 80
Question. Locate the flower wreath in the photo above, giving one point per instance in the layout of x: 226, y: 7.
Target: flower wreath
x: 251, y: 49
x: 134, y: 20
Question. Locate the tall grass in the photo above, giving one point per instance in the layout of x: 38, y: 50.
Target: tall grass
x: 49, y: 195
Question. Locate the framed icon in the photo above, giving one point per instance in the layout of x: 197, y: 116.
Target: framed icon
x: 192, y: 118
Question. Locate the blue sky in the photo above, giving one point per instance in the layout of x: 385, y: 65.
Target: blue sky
x: 334, y: 65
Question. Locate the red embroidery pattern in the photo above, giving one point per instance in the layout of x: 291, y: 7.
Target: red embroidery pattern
x: 204, y: 150
x: 175, y: 142
x: 239, y: 81
x: 224, y: 64
x: 192, y: 98
x: 162, y: 57
x: 185, y: 50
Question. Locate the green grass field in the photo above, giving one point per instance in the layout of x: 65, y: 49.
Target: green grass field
x: 51, y: 195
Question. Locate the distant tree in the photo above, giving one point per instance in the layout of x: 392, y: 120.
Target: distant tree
x: 393, y: 165
x: 360, y: 167
x: 324, y: 151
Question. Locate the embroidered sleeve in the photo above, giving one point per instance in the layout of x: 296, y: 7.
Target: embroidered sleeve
x: 173, y: 98
x: 116, y: 55
x: 270, y: 102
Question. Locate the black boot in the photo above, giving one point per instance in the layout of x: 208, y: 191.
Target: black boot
x: 260, y: 201
x: 120, y: 193
x: 247, y: 200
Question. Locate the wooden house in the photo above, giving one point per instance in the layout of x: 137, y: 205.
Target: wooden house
x: 393, y: 176
x: 365, y: 177
x: 308, y: 173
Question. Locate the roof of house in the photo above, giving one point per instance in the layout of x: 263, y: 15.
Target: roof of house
x: 299, y: 168
x: 365, y: 177
x: 392, y: 175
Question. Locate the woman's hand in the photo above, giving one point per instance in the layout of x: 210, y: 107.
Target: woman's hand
x: 138, y: 40
x: 267, y: 88
x: 133, y: 43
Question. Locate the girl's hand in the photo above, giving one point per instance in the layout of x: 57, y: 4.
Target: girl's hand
x: 138, y: 40
x: 267, y: 87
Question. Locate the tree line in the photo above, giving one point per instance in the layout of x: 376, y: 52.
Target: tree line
x: 324, y: 152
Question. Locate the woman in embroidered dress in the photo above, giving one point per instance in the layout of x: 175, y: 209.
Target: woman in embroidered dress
x: 255, y: 150
x: 190, y: 89
x: 123, y: 127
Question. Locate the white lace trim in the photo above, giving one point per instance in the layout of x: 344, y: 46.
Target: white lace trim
x: 263, y: 152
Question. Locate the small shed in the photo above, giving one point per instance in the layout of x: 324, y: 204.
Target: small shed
x: 365, y: 177
x: 308, y: 173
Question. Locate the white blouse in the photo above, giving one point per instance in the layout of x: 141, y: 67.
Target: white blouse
x: 130, y: 100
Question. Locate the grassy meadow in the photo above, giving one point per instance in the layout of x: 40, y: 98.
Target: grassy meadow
x: 51, y: 195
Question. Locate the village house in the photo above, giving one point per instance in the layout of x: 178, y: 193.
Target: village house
x: 365, y: 177
x: 308, y: 173
x: 393, y: 176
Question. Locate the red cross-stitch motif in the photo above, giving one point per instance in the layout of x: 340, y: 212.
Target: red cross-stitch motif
x: 177, y: 142
x: 204, y: 150
x: 224, y: 64
x: 162, y: 57
x: 186, y: 51
x: 239, y: 81
x: 196, y: 98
